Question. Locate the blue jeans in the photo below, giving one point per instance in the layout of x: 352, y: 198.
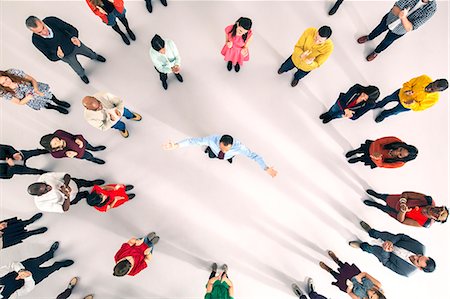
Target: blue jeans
x: 113, y: 15
x: 120, y: 124
x: 149, y: 244
x: 396, y: 110
x: 388, y: 39
x: 335, y: 111
x: 289, y: 65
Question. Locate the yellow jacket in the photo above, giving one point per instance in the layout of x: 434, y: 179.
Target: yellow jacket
x: 320, y: 53
x: 421, y: 99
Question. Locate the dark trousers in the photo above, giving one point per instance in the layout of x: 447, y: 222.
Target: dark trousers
x: 72, y: 60
x: 388, y: 39
x: 40, y: 273
x: 87, y: 155
x: 392, y: 98
x: 162, y: 76
x: 23, y: 169
x: 289, y: 65
x: 66, y: 294
x: 81, y: 194
x: 212, y: 155
x: 313, y: 295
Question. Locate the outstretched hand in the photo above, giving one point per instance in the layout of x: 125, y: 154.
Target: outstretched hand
x: 170, y: 146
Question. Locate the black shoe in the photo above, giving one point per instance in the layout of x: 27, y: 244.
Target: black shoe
x: 370, y: 203
x: 379, y: 118
x: 164, y: 2
x: 164, y: 84
x: 294, y: 82
x: 354, y: 160
x: 40, y: 230
x: 178, y: 76
x: 327, y: 120
x: 229, y: 65
x: 61, y: 103
x: 98, y: 148
x: 61, y: 110
x: 323, y: 115
x: 65, y: 263
x: 237, y: 67
x: 230, y: 160
x: 131, y: 34
x: 97, y: 161
x: 279, y: 72
x: 34, y: 218
x: 350, y: 154
x: 100, y: 58
x: 148, y: 4
x: 85, y: 79
x: 373, y: 193
x: 125, y: 39
x: 335, y: 7
x: 96, y: 182
x: 128, y: 187
x: 54, y: 246
x: 131, y: 196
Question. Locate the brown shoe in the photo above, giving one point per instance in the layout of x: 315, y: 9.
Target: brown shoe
x: 89, y: 297
x: 371, y: 56
x: 294, y: 83
x: 72, y: 283
x: 125, y: 133
x: 333, y: 257
x: 363, y: 39
x: 137, y: 116
x: 325, y: 267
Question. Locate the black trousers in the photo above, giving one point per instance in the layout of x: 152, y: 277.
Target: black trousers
x: 23, y: 169
x: 212, y: 155
x: 34, y: 266
x: 162, y: 76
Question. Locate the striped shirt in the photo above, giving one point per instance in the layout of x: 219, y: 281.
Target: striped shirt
x: 417, y: 18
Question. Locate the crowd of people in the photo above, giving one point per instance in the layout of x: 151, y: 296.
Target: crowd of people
x: 57, y: 191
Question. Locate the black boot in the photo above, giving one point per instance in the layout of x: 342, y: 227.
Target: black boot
x: 237, y: 67
x: 354, y: 160
x: 229, y: 65
x: 335, y: 7
x: 124, y: 37
x: 127, y: 27
x: 148, y: 4
x: 60, y: 103
x: 128, y: 187
x: 179, y: 77
x: 351, y: 153
x: 323, y: 115
x: 164, y: 2
x: 98, y: 148
x: 57, y: 108
x: 33, y: 219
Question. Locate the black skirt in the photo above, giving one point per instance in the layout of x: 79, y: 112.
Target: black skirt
x: 14, y: 233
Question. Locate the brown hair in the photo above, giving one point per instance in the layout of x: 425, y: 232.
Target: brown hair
x: 97, y: 2
x: 15, y: 79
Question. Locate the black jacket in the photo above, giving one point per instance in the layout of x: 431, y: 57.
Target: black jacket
x: 346, y: 98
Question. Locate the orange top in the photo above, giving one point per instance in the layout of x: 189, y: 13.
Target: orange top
x: 377, y: 147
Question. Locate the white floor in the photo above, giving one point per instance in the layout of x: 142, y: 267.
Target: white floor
x: 271, y: 232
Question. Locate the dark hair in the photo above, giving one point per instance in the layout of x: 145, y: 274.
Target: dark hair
x: 226, y: 140
x: 35, y: 188
x: 245, y: 23
x: 31, y: 21
x: 443, y: 221
x: 95, y: 200
x: 122, y: 268
x: 15, y: 79
x: 325, y: 31
x: 380, y: 294
x: 157, y: 43
x: 372, y: 91
x: 442, y: 84
x: 430, y: 267
x: 412, y: 151
x: 45, y: 142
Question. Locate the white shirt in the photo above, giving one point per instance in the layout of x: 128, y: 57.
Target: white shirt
x: 28, y: 281
x: 53, y: 200
x: 101, y: 119
x: 398, y: 21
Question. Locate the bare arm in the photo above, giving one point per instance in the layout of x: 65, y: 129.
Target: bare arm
x: 375, y: 282
x: 248, y: 42
x: 33, y: 82
x: 66, y: 204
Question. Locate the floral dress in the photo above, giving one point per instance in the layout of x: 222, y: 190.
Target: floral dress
x: 23, y: 89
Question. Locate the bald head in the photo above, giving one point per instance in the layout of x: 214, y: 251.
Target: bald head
x: 91, y: 103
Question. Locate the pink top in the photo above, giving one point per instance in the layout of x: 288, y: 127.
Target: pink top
x: 233, y: 54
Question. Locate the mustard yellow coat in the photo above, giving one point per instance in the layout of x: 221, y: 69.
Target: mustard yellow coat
x: 421, y: 99
x: 320, y: 53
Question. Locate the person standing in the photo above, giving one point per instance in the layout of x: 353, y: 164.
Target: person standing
x: 409, y: 208
x: 352, y: 104
x: 58, y: 40
x: 109, y: 11
x: 224, y: 148
x: 148, y: 4
x: 237, y: 39
x: 311, y: 291
x: 62, y: 144
x: 134, y: 256
x: 400, y: 253
x: 13, y: 161
x: 417, y: 94
x: 166, y: 59
x: 220, y: 286
x: 335, y: 7
x: 20, y: 278
x: 56, y: 191
x: 13, y: 230
x: 104, y: 111
x: 405, y: 16
x: 386, y: 152
x: 104, y: 198
x: 311, y: 51
x: 68, y: 291
x: 22, y: 89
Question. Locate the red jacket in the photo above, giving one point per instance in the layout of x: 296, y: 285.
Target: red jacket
x: 118, y: 5
x: 377, y: 147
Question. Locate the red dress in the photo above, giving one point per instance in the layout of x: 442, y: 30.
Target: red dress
x: 137, y: 252
x: 234, y: 54
x: 111, y: 196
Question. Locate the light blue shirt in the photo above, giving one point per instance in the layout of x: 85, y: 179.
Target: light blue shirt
x: 237, y: 149
x: 50, y: 33
x: 165, y: 62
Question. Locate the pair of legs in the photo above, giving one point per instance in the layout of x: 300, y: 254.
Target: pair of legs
x: 334, y: 112
x: 120, y: 125
x: 81, y: 183
x: 383, y: 207
x: 237, y: 67
x: 289, y: 65
x: 311, y: 292
x: 72, y: 60
x: 163, y: 78
x: 23, y: 169
x: 313, y: 295
x: 399, y: 108
x: 16, y: 232
x: 148, y: 4
x: 211, y: 155
x: 57, y: 105
x: 90, y: 157
x: 68, y: 291
x: 222, y: 277
x: 113, y: 23
x: 40, y: 273
x: 362, y: 154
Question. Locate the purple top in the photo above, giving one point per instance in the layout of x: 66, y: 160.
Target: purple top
x: 70, y: 145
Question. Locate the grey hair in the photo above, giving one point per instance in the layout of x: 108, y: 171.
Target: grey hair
x: 31, y: 21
